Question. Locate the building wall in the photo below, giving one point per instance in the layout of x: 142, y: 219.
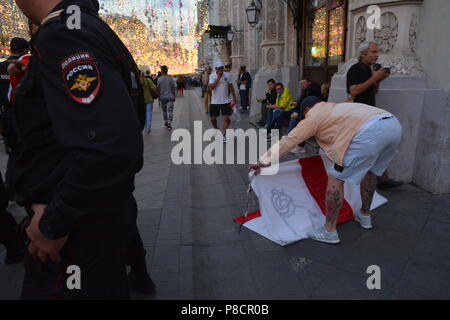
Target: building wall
x: 413, y: 38
x: 213, y: 50
x: 433, y: 42
x: 278, y: 52
x: 433, y: 152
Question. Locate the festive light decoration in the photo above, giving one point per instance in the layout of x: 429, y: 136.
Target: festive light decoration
x: 157, y: 32
x: 319, y: 34
x: 12, y: 24
x: 203, y: 7
x: 336, y: 42
x: 335, y: 36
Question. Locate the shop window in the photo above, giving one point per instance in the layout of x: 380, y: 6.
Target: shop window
x: 324, y: 33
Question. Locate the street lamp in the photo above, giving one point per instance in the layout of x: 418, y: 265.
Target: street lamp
x: 254, y: 13
x: 230, y: 35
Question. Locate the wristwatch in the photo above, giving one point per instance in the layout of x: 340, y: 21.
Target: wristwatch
x: 46, y: 229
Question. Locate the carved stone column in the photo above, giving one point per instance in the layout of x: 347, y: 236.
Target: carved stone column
x: 274, y: 59
x: 273, y: 34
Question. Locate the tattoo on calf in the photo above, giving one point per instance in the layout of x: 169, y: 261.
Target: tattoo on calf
x: 368, y: 187
x: 334, y: 203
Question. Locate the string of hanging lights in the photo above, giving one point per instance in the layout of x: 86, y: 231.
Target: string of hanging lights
x: 157, y: 32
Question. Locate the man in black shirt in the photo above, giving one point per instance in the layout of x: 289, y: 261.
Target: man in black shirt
x: 362, y: 83
x: 362, y: 86
x: 271, y: 98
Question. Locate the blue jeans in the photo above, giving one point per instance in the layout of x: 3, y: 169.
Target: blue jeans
x: 148, y: 119
x: 269, y: 118
x: 278, y: 117
x: 292, y: 125
x: 244, y: 99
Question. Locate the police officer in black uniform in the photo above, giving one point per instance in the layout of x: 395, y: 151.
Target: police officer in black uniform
x: 79, y: 114
x: 8, y: 225
x: 18, y: 47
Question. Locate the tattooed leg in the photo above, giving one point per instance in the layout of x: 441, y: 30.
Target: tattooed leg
x: 368, y: 186
x: 334, y: 201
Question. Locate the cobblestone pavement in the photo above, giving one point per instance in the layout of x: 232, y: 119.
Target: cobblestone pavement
x: 196, y: 252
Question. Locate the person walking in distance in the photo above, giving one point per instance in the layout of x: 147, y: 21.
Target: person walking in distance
x: 221, y: 86
x: 149, y: 96
x: 166, y: 92
x: 244, y: 84
x: 206, y: 92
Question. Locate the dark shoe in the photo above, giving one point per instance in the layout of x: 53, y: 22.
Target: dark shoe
x: 389, y: 184
x: 261, y: 124
x: 142, y: 284
x: 166, y: 124
x: 169, y: 126
x: 15, y: 256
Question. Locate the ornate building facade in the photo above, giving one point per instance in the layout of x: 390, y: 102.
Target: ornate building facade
x: 319, y: 39
x: 413, y: 38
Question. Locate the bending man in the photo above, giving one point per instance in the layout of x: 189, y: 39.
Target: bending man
x: 361, y: 140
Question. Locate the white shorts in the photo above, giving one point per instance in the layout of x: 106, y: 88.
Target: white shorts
x: 371, y: 151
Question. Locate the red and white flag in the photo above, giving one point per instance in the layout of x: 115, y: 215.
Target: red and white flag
x: 292, y: 202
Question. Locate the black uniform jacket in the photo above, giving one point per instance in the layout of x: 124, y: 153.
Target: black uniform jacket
x: 79, y: 116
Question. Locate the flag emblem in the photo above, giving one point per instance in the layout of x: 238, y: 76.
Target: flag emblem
x: 81, y: 77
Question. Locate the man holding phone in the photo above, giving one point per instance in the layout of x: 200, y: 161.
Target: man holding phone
x: 363, y: 80
x: 221, y: 87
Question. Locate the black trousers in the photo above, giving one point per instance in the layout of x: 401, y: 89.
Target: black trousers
x: 263, y: 113
x: 98, y: 246
x: 8, y: 225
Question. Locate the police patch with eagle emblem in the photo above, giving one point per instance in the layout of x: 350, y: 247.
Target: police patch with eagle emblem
x: 81, y: 77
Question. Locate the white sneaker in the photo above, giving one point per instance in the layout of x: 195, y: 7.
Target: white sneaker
x: 298, y: 150
x: 364, y: 221
x: 322, y: 235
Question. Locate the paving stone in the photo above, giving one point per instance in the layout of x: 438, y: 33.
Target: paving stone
x: 423, y: 281
x: 342, y: 285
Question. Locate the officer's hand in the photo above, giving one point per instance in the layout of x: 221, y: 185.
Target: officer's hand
x: 294, y: 116
x: 16, y: 67
x: 42, y: 248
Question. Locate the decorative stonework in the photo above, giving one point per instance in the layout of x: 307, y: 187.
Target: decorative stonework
x: 399, y: 65
x: 360, y: 32
x: 413, y: 33
x: 235, y: 43
x: 271, y: 28
x: 281, y: 23
x: 271, y: 57
x: 387, y: 36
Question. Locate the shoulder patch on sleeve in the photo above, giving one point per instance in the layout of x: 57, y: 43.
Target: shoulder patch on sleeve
x: 81, y: 77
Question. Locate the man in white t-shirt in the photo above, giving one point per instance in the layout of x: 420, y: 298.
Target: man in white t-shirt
x: 221, y: 86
